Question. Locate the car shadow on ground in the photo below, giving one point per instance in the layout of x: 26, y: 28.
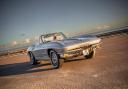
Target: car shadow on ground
x: 26, y: 67
x: 22, y: 68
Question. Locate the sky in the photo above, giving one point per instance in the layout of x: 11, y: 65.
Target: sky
x: 24, y: 19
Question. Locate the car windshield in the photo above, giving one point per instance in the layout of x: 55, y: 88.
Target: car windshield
x: 53, y: 37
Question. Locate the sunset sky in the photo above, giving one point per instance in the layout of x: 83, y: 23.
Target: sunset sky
x: 24, y: 19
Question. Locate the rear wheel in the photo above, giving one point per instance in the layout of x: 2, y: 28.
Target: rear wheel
x: 90, y: 55
x: 55, y: 59
x: 33, y: 61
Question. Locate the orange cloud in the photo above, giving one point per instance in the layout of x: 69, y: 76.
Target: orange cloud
x: 103, y: 27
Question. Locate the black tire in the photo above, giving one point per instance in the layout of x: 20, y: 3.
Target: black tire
x: 33, y: 61
x: 55, y: 59
x: 90, y: 55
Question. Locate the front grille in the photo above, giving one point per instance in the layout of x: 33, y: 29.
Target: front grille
x: 80, y: 48
x: 75, y: 51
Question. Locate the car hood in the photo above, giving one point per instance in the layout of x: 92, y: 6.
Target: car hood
x: 67, y: 42
x: 73, y: 41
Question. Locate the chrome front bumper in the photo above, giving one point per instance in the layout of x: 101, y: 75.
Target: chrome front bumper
x: 72, y: 53
x: 78, y: 51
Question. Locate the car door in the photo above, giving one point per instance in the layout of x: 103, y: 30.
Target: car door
x: 41, y: 51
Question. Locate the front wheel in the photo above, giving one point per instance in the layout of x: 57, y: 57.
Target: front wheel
x: 90, y: 55
x: 55, y: 59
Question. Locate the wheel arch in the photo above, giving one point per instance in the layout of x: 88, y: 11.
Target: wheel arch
x: 48, y: 52
x: 30, y: 52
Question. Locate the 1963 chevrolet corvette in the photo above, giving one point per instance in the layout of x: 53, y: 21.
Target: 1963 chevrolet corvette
x: 56, y: 47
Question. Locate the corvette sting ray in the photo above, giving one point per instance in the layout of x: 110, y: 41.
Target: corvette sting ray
x: 56, y: 47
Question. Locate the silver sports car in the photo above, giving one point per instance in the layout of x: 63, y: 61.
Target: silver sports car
x: 56, y: 47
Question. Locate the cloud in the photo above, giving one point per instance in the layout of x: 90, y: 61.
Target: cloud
x: 103, y: 27
x: 14, y: 43
x: 27, y: 40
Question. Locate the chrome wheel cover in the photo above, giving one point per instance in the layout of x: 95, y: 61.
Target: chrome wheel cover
x: 54, y: 59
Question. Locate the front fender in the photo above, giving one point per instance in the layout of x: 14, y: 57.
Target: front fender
x: 30, y: 48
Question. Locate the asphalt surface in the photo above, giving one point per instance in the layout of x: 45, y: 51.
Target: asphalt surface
x: 107, y: 70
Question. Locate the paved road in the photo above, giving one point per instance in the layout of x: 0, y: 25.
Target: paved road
x: 108, y: 70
